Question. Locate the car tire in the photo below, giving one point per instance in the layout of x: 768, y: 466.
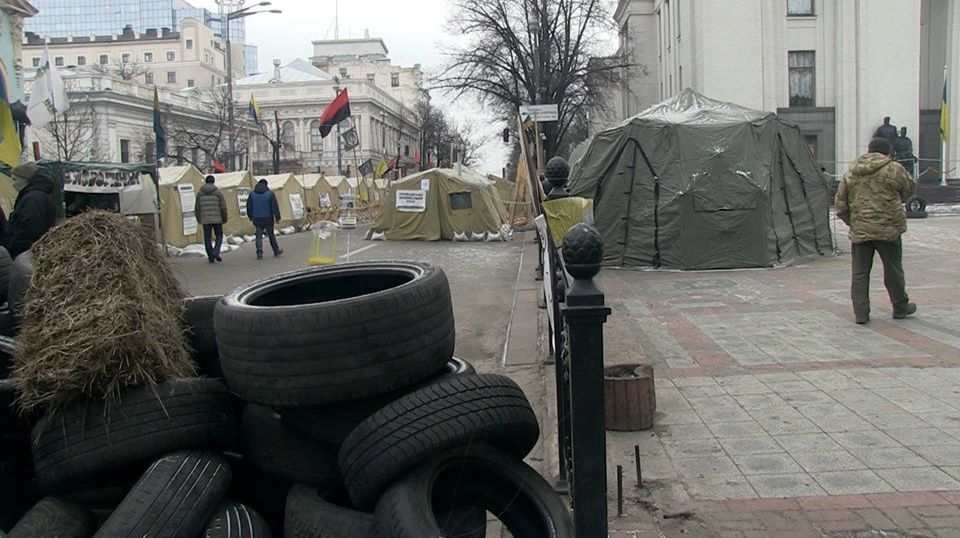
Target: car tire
x: 201, y: 337
x: 314, y: 514
x: 19, y: 282
x: 235, y: 520
x: 284, y: 454
x: 915, y: 204
x: 83, y: 440
x: 176, y: 496
x: 331, y: 424
x: 523, y: 501
x: 452, y: 413
x: 335, y: 333
x: 54, y: 517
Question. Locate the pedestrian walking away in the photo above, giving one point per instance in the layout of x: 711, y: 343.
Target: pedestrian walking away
x: 870, y: 200
x: 211, y: 212
x: 34, y: 211
x: 263, y: 210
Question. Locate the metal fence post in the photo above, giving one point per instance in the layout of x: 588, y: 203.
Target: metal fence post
x: 584, y: 314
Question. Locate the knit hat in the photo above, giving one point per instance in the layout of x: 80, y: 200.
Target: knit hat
x: 25, y: 171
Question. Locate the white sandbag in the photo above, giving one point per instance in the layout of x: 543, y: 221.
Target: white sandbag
x: 493, y: 236
x: 249, y: 238
x: 478, y: 237
x: 378, y: 236
x: 288, y: 230
x: 460, y: 236
x: 234, y: 240
x: 506, y: 232
x: 193, y: 251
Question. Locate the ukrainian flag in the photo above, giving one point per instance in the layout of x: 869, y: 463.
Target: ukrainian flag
x: 944, y: 114
x: 9, y: 137
x: 382, y: 167
x: 254, y: 110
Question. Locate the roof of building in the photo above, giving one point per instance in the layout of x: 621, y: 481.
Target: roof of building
x: 296, y: 71
x: 350, y: 47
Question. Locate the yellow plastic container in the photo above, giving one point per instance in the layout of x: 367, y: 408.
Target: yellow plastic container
x: 324, y: 248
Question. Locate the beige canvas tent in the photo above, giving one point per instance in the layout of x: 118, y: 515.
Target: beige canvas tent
x: 319, y: 194
x: 435, y: 204
x: 359, y: 189
x: 179, y: 186
x: 236, y: 188
x: 380, y: 185
x: 289, y: 198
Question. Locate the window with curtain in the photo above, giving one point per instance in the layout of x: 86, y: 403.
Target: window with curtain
x: 288, y: 136
x: 801, y: 66
x: 316, y: 141
x: 799, y: 8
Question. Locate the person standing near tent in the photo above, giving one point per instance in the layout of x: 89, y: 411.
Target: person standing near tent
x: 263, y: 210
x: 211, y: 212
x: 870, y: 200
x: 34, y: 211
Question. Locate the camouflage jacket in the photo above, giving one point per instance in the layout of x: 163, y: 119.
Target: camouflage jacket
x: 870, y: 198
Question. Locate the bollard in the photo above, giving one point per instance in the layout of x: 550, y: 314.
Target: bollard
x: 584, y: 314
x: 636, y: 459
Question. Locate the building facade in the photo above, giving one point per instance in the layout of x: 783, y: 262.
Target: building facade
x: 191, y: 57
x: 298, y: 94
x: 83, y: 18
x: 835, y: 68
x: 368, y: 59
x: 13, y: 13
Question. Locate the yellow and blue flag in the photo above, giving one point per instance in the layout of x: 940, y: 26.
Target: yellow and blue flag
x: 254, y: 110
x: 9, y: 136
x: 944, y: 114
x: 158, y: 129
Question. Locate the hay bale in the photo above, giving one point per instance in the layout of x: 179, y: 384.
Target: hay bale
x: 103, y: 312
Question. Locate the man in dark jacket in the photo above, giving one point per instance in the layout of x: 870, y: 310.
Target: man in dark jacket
x: 263, y: 210
x: 211, y: 212
x: 34, y: 211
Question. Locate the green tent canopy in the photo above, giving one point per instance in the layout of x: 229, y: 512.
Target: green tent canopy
x: 695, y: 183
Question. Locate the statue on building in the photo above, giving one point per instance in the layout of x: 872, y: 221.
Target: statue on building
x: 887, y: 131
x: 903, y: 151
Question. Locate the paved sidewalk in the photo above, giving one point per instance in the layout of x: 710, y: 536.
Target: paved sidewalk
x: 777, y: 415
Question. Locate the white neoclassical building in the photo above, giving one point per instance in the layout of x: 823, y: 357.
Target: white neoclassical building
x: 834, y: 67
x: 296, y: 95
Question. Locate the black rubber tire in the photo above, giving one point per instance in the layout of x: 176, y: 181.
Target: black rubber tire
x: 917, y: 214
x: 8, y: 324
x: 201, y: 337
x: 175, y: 497
x: 19, y: 281
x: 280, y: 452
x: 8, y: 351
x: 6, y: 266
x: 264, y: 493
x: 452, y: 413
x: 335, y: 333
x: 331, y: 424
x: 525, y: 503
x: 52, y: 517
x: 915, y: 204
x: 79, y: 442
x: 235, y: 520
x: 312, y: 514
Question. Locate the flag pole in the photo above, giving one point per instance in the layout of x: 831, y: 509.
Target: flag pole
x: 945, y: 132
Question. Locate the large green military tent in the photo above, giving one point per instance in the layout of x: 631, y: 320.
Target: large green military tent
x: 694, y: 183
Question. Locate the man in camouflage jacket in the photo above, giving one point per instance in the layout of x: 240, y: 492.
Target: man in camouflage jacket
x: 870, y: 200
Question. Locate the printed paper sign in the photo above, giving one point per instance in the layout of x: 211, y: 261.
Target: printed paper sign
x: 102, y: 182
x: 412, y: 201
x: 325, y: 201
x: 424, y: 184
x: 296, y: 204
x: 242, y: 194
x: 188, y: 201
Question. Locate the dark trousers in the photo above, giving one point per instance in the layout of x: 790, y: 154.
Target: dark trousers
x: 209, y: 229
x: 891, y: 255
x: 265, y: 226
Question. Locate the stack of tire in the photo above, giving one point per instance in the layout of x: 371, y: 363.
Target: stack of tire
x: 331, y: 406
x: 916, y: 208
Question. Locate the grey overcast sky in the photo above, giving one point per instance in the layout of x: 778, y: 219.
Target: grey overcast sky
x: 413, y: 32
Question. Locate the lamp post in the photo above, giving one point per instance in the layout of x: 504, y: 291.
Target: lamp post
x: 534, y: 28
x: 226, y: 18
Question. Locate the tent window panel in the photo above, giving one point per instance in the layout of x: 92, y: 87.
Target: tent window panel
x: 802, y: 68
x: 460, y: 200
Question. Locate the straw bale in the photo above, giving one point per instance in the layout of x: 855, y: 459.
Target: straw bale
x: 103, y: 312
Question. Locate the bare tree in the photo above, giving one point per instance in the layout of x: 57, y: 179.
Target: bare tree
x: 74, y: 132
x: 443, y: 136
x: 203, y: 130
x: 121, y: 69
x: 533, y: 51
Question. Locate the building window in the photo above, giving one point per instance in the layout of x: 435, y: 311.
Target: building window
x: 58, y: 61
x: 171, y: 56
x: 799, y: 8
x: 395, y: 80
x: 288, y: 136
x: 124, y: 150
x: 801, y: 65
x: 148, y: 57
x: 811, y: 141
x: 344, y: 73
x: 104, y: 59
x: 36, y: 62
x: 81, y: 60
x: 125, y: 57
x: 316, y: 141
x: 148, y: 77
x: 189, y: 44
x: 371, y: 78
x: 191, y: 83
x: 149, y: 152
x: 171, y: 77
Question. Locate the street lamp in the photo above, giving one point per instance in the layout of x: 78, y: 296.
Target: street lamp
x: 227, y: 17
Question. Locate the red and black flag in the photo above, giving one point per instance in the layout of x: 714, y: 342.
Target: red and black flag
x: 335, y: 112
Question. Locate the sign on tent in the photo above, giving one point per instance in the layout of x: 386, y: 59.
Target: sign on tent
x: 296, y: 205
x: 242, y: 194
x: 412, y: 201
x: 188, y: 200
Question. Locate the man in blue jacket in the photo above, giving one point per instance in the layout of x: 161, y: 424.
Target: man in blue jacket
x: 263, y: 210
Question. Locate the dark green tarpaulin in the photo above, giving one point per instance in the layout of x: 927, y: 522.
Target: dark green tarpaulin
x: 694, y: 183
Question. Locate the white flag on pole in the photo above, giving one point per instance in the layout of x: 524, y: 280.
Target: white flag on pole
x: 48, y: 97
